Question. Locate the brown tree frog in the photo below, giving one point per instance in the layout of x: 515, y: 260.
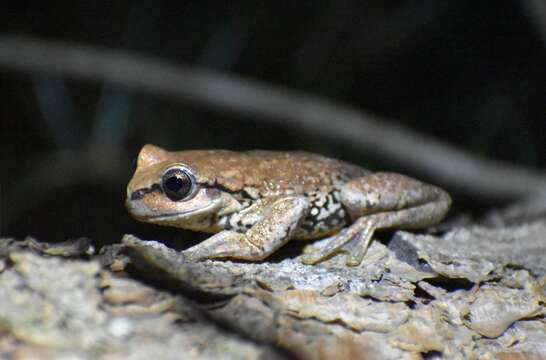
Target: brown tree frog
x: 256, y: 201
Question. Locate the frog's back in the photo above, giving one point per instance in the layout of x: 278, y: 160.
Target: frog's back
x: 270, y: 172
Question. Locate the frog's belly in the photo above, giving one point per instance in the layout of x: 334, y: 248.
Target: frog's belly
x: 326, y: 216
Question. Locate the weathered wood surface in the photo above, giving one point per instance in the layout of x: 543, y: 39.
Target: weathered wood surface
x: 474, y: 291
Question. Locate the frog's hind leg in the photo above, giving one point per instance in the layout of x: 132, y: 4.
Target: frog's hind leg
x: 382, y: 201
x: 275, y: 229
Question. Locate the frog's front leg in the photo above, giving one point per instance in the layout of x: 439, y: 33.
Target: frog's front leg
x: 381, y: 201
x: 276, y: 227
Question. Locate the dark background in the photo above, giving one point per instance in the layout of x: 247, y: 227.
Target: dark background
x: 469, y: 73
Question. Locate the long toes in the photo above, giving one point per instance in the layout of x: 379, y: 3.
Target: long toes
x: 353, y: 261
x: 316, y: 255
x: 354, y: 258
x: 311, y: 258
x: 360, y: 248
x: 352, y: 244
x: 335, y: 245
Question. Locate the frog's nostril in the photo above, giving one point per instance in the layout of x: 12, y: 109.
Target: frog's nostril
x: 137, y: 195
x: 140, y: 193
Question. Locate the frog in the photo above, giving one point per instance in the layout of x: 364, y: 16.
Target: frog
x: 254, y: 202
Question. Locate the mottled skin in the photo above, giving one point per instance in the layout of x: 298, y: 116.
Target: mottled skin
x: 257, y: 201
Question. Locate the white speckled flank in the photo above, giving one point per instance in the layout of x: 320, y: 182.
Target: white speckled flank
x: 326, y: 215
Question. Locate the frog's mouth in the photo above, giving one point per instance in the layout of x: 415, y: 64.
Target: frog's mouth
x: 181, y: 215
x: 194, y: 214
x: 169, y: 217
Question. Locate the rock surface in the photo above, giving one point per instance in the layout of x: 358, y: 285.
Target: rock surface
x: 477, y: 291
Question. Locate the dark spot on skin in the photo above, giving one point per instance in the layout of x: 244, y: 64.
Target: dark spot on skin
x: 139, y: 194
x: 312, y: 224
x: 243, y: 194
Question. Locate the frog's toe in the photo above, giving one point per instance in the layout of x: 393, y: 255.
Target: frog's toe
x: 309, y: 249
x: 355, y: 240
x: 326, y: 248
x: 359, y: 247
x: 313, y: 256
x: 310, y: 259
x: 354, y: 260
x: 316, y: 257
x: 318, y: 245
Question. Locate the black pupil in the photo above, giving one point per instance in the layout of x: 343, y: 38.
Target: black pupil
x: 176, y: 184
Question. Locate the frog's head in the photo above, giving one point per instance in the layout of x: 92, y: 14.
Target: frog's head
x: 165, y: 191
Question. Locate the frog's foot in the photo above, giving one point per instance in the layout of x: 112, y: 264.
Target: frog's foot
x: 355, y: 239
x: 261, y: 240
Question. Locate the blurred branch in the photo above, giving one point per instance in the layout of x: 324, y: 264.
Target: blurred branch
x: 536, y: 12
x: 369, y: 133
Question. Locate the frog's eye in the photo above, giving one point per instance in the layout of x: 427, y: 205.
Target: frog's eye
x: 177, y: 183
